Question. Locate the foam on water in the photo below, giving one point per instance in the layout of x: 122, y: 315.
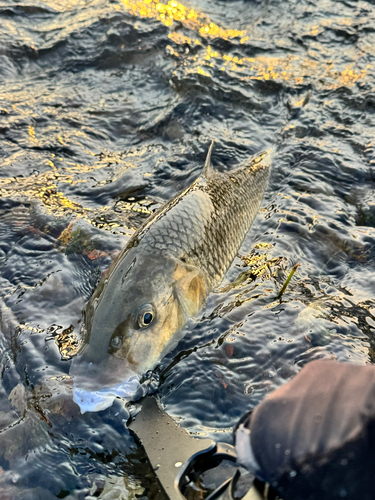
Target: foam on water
x: 103, y: 398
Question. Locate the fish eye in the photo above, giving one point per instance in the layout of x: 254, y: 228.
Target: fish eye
x: 146, y: 316
x: 116, y: 342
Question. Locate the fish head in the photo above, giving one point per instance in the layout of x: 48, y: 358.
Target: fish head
x: 133, y: 320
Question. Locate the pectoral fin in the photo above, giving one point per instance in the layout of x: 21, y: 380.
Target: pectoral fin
x: 190, y: 286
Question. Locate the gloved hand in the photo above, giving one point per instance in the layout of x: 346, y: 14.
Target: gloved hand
x: 314, y: 437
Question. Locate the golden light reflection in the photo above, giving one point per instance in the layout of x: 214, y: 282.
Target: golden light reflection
x: 349, y: 76
x: 67, y: 343
x: 265, y: 68
x: 45, y: 189
x: 258, y: 266
x: 181, y: 39
x: 32, y: 134
x: 41, y: 187
x: 175, y: 11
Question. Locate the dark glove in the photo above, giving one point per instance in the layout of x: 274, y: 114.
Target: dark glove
x: 314, y: 437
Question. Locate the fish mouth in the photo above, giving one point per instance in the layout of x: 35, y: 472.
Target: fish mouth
x: 98, y: 400
x: 96, y: 384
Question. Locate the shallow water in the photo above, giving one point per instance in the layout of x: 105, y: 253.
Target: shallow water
x: 106, y: 111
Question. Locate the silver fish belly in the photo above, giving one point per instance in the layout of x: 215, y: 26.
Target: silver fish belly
x: 162, y: 278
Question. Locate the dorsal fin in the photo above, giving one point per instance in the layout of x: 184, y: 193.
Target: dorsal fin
x: 208, y: 168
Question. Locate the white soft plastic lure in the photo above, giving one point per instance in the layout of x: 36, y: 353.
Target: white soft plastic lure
x: 103, y: 399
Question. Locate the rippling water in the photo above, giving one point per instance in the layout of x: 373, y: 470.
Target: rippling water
x: 106, y: 111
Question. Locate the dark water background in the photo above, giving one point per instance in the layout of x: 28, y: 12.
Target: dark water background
x: 106, y: 111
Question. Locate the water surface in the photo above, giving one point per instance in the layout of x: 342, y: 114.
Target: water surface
x: 106, y: 111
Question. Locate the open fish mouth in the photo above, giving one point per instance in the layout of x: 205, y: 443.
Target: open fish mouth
x: 103, y: 398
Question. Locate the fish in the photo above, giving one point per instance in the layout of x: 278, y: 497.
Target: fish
x: 162, y: 278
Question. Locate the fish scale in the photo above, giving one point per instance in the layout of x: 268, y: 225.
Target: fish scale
x: 206, y: 224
